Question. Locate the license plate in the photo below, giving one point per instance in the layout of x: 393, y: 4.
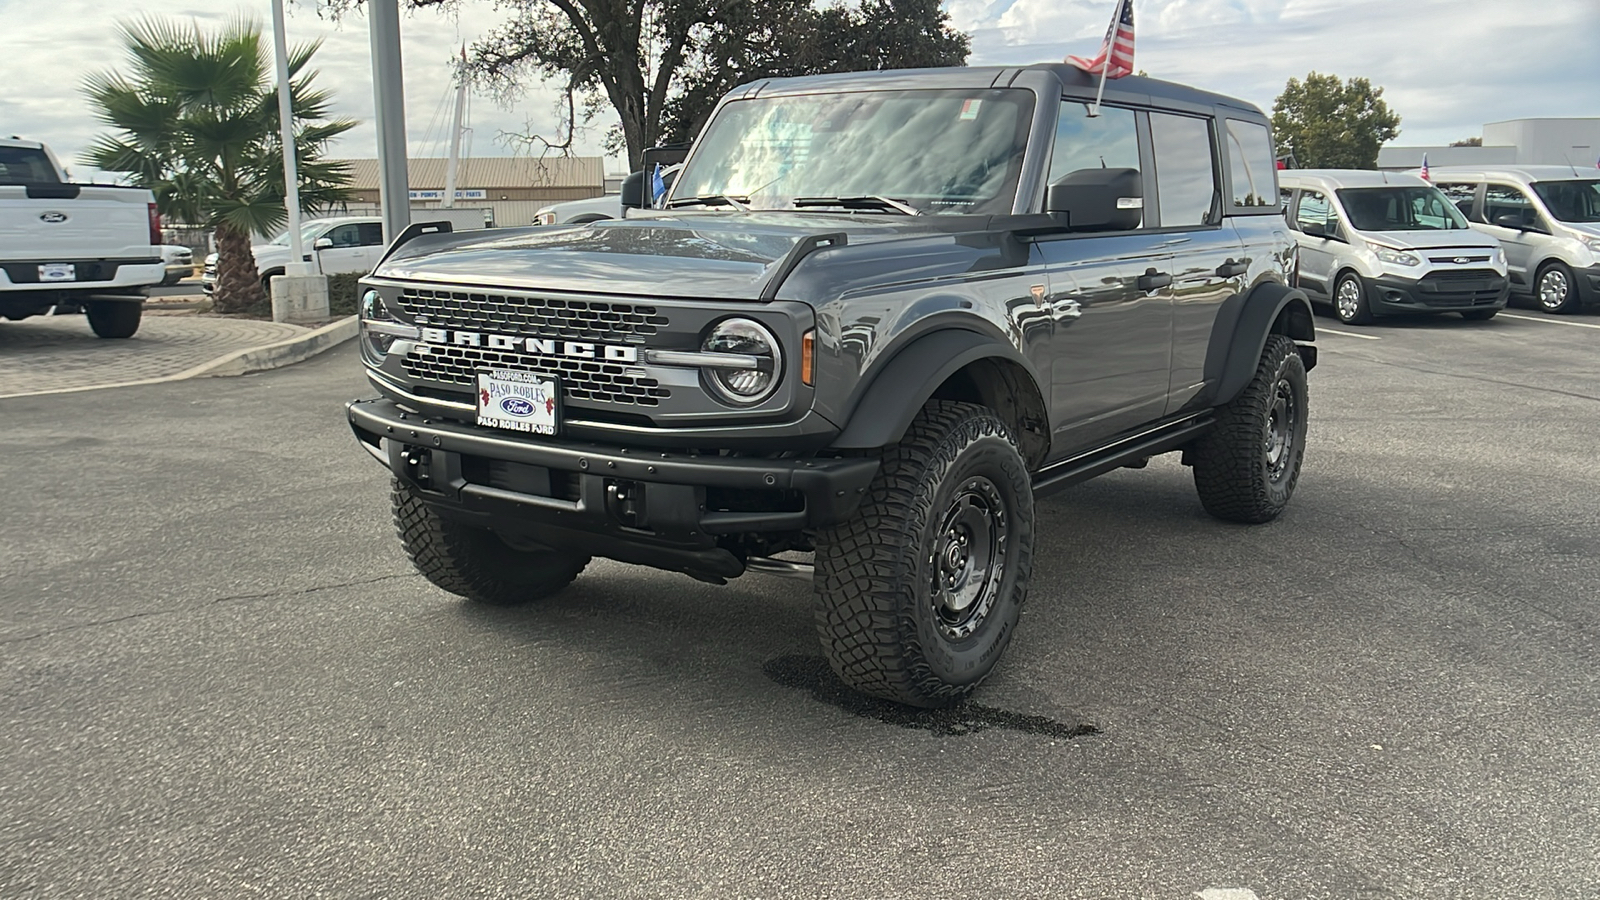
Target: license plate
x: 518, y: 401
x: 58, y: 272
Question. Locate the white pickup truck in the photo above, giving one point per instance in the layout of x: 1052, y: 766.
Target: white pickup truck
x: 72, y: 247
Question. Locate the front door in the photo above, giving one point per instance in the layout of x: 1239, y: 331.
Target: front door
x: 356, y: 248
x: 1316, y: 251
x: 1508, y: 200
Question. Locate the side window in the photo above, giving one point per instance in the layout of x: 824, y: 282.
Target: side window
x: 1186, y: 180
x: 1505, y: 200
x: 1251, y: 168
x: 344, y: 236
x: 1107, y: 141
x: 371, y: 233
x: 1314, y: 209
x: 1461, y: 194
x: 1428, y: 209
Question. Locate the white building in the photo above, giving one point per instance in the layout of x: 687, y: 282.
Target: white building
x: 1514, y: 142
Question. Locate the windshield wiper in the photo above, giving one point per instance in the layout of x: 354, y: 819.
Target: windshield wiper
x: 884, y: 204
x: 712, y: 200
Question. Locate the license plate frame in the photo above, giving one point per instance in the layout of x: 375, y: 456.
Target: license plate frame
x: 50, y: 273
x: 514, y: 400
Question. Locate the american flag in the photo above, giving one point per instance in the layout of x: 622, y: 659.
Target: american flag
x: 1424, y: 172
x: 1116, y: 54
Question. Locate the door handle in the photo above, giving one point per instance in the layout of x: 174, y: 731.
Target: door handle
x: 1151, y: 280
x: 1231, y: 268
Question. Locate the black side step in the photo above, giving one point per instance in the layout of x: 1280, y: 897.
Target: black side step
x: 1085, y: 466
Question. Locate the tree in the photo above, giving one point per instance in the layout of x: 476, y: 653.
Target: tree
x: 196, y: 122
x: 661, y: 65
x: 1333, y: 125
x: 1469, y: 142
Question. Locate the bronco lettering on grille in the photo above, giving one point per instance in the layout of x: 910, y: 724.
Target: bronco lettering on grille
x: 538, y: 346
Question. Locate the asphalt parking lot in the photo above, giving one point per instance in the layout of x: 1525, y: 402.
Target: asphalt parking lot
x: 220, y: 677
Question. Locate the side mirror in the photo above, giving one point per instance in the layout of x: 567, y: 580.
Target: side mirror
x: 322, y: 243
x: 1097, y: 200
x: 1510, y: 220
x: 633, y: 191
x: 1315, y: 229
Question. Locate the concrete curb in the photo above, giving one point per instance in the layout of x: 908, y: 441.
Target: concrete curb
x: 251, y: 359
x: 273, y: 356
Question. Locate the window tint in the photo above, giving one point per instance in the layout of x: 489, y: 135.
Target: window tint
x: 25, y: 165
x: 1571, y: 201
x: 1505, y: 200
x: 371, y: 233
x: 1251, y: 167
x: 1186, y: 182
x: 1460, y: 193
x: 1314, y: 208
x: 1107, y: 141
x: 1399, y: 209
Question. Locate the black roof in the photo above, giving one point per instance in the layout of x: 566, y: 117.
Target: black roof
x: 1131, y: 89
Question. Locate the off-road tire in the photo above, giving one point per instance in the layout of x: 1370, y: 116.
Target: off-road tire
x: 114, y: 318
x: 1560, y: 295
x: 1361, y: 312
x: 475, y: 563
x: 1237, y: 474
x: 877, y: 612
x: 1478, y: 315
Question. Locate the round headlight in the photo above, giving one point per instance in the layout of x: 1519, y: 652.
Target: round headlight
x: 372, y: 306
x: 754, y: 376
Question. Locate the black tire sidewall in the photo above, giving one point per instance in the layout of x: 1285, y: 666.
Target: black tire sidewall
x: 1289, y: 367
x: 967, y: 660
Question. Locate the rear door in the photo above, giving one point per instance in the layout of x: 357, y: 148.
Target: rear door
x: 1111, y: 336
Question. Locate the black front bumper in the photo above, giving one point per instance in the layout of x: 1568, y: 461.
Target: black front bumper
x: 1588, y: 285
x: 1437, y: 292
x: 655, y: 507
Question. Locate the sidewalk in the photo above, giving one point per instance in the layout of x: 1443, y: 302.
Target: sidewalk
x: 54, y: 354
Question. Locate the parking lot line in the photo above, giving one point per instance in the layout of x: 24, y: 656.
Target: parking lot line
x: 1364, y: 337
x: 1549, y: 321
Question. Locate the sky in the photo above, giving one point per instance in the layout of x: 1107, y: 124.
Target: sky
x: 1446, y: 66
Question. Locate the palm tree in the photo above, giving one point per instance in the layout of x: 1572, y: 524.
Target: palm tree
x: 197, y: 123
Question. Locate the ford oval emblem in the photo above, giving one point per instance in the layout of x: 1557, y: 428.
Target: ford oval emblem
x: 53, y: 218
x: 1461, y: 260
x: 517, y: 406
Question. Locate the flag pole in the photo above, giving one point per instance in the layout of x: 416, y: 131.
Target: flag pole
x: 1105, y: 61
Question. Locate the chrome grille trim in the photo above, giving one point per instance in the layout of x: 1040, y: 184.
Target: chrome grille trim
x: 581, y: 379
x: 598, y: 320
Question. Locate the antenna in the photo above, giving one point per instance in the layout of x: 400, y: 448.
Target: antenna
x: 1570, y: 165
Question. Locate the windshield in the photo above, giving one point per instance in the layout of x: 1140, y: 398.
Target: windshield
x: 1400, y: 209
x: 308, y: 230
x: 26, y: 165
x: 1571, y: 201
x: 955, y: 151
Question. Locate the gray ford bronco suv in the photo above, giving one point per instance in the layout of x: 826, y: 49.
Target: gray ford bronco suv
x: 876, y: 317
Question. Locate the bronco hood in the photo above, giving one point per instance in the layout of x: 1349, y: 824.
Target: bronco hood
x: 723, y: 256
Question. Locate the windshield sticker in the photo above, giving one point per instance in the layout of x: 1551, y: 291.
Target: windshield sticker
x: 969, y: 109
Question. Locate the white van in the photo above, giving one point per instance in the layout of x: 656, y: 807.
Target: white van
x: 1548, y: 218
x: 1383, y: 243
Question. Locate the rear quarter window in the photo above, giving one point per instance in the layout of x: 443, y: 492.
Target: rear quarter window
x: 1252, y: 168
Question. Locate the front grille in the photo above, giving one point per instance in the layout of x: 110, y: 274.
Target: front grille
x: 544, y: 316
x: 581, y: 379
x: 1465, y: 275
x: 1477, y: 287
x: 1464, y: 259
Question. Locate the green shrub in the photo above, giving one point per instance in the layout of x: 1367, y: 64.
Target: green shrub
x: 343, y: 294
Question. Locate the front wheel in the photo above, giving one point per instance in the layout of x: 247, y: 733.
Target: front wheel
x: 476, y: 563
x: 1555, y: 288
x: 918, y: 594
x: 1350, y: 301
x: 1246, y: 466
x: 114, y: 318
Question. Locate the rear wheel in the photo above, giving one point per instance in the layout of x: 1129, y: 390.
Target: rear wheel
x: 114, y: 318
x: 1554, y: 288
x: 1350, y: 301
x: 476, y: 563
x: 1246, y: 466
x: 918, y: 594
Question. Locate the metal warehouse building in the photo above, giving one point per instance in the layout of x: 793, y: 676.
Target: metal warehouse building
x: 1514, y: 142
x: 509, y: 188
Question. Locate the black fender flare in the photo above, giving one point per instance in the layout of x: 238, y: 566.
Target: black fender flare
x: 903, y: 385
x: 1240, y: 334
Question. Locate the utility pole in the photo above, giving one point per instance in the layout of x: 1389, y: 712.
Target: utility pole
x: 455, y: 134
x: 394, y: 187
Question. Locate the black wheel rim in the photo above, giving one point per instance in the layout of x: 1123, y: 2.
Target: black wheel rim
x: 1283, y: 424
x: 969, y: 557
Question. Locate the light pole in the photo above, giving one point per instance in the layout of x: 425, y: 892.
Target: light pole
x: 394, y: 188
x: 291, y: 167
